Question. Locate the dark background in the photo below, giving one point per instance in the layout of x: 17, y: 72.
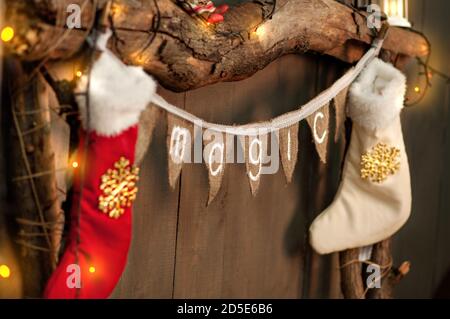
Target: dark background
x: 242, y: 246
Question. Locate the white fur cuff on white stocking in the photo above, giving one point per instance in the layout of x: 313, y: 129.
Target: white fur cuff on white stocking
x: 376, y: 97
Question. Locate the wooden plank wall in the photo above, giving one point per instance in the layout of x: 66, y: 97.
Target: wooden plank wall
x: 240, y: 246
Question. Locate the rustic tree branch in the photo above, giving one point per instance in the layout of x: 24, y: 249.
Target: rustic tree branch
x: 353, y: 277
x: 184, y: 53
x: 351, y: 274
x: 31, y: 176
x: 381, y: 255
x: 391, y: 276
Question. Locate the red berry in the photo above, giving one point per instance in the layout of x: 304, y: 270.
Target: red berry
x: 215, y: 18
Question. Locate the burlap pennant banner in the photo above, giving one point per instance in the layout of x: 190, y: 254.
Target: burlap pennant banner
x: 339, y: 103
x: 214, y: 155
x: 254, y: 150
x: 180, y: 138
x: 319, y: 122
x: 288, y: 141
x: 179, y: 141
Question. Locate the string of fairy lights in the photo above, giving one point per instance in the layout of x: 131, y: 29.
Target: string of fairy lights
x: 426, y: 71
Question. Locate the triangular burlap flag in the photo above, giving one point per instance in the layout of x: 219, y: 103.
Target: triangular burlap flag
x: 289, y: 150
x: 147, y: 122
x: 339, y: 103
x: 254, y: 148
x: 215, y: 158
x: 179, y: 141
x: 318, y: 122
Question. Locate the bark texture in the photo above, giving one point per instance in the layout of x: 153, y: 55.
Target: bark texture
x: 32, y: 176
x: 185, y: 53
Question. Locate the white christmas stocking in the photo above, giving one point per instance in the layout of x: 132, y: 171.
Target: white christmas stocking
x: 374, y: 198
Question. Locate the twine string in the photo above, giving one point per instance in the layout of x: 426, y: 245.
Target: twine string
x: 367, y: 262
x: 43, y: 110
x: 386, y: 270
x: 27, y: 165
x: 29, y: 222
x: 45, y: 226
x: 39, y: 174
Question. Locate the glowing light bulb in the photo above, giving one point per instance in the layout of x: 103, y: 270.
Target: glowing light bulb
x: 79, y: 74
x: 116, y: 9
x: 417, y: 89
x: 260, y: 31
x: 92, y: 269
x: 5, y: 272
x: 7, y: 34
x: 140, y: 59
x: 75, y: 164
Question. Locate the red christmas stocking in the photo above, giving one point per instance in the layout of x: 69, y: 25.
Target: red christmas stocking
x: 105, y: 181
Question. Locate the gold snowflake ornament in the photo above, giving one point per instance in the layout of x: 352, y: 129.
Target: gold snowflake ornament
x: 380, y: 162
x: 118, y: 188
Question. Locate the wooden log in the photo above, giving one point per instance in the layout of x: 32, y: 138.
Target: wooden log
x: 391, y: 276
x: 184, y: 53
x: 351, y: 274
x: 381, y: 255
x: 41, y: 28
x: 31, y: 176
